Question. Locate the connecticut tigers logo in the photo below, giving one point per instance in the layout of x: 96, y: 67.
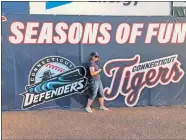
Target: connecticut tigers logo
x: 51, y: 78
x: 130, y: 76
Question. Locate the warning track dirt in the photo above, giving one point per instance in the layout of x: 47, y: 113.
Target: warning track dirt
x: 120, y: 123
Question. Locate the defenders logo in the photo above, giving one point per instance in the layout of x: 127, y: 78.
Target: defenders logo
x: 52, y: 78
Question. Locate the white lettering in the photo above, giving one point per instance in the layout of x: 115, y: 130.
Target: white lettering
x: 62, y: 38
x: 36, y: 97
x: 28, y: 99
x: 42, y: 95
x: 122, y: 33
x: 67, y: 88
x: 151, y: 32
x: 18, y: 35
x: 75, y: 33
x: 105, y: 38
x: 30, y: 32
x: 73, y: 87
x: 47, y: 96
x: 165, y: 32
x: 179, y: 33
x: 46, y: 33
x: 80, y: 83
x: 90, y: 33
x: 135, y: 32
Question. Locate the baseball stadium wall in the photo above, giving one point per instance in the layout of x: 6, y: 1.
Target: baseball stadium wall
x: 44, y: 60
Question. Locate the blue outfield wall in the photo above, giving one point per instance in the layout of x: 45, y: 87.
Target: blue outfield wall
x: 143, y: 60
x: 11, y: 7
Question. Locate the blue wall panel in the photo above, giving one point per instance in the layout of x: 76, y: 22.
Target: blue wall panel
x: 17, y: 61
x: 15, y: 7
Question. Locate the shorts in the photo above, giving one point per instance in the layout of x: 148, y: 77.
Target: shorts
x: 96, y: 89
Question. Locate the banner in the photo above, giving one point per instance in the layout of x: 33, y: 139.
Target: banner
x: 117, y: 8
x: 44, y: 57
x: 179, y: 9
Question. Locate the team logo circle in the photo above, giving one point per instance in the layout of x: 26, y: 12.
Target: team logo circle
x: 51, y: 78
x: 49, y: 67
